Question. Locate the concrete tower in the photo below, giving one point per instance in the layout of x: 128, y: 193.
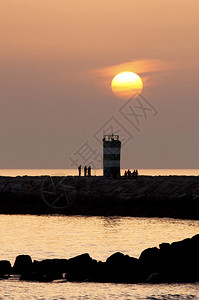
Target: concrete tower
x: 111, y: 156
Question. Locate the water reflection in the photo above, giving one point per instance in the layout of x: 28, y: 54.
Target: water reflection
x: 110, y: 222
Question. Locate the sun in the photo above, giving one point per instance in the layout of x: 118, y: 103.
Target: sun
x: 126, y: 85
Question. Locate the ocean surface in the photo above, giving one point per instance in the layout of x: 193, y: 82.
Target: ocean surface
x: 67, y: 236
x: 97, y: 172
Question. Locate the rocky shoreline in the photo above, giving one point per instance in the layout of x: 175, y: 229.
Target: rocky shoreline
x: 148, y: 196
x: 176, y: 262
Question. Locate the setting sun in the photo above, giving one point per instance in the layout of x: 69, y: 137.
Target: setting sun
x: 126, y: 85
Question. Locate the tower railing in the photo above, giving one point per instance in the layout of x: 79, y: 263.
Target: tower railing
x: 111, y: 137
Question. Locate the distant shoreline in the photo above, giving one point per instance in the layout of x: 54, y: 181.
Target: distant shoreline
x: 148, y: 196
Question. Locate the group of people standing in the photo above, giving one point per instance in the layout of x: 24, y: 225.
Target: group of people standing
x: 131, y: 175
x: 87, y: 170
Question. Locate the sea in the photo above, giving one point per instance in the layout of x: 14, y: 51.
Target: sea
x: 95, y: 172
x: 57, y: 236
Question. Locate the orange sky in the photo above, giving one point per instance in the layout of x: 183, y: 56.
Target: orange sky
x: 57, y: 59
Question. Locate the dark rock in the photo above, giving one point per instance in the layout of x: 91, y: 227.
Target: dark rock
x: 50, y: 265
x: 164, y: 246
x: 175, y: 262
x: 80, y: 268
x: 185, y: 260
x: 40, y: 277
x: 178, y: 262
x: 45, y: 271
x: 123, y: 268
x: 99, y: 272
x: 195, y: 239
x: 181, y: 247
x: 5, y: 268
x: 23, y: 263
x: 155, y: 278
x: 150, y: 260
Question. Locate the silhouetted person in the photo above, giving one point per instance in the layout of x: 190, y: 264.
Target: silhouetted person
x: 125, y: 175
x: 129, y: 174
x: 136, y: 174
x: 89, y: 171
x: 85, y: 170
x: 80, y: 169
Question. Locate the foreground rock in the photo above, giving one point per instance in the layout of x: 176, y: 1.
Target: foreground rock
x: 175, y: 262
x: 5, y: 268
x: 148, y: 196
x: 43, y: 271
x: 23, y: 263
x: 81, y: 268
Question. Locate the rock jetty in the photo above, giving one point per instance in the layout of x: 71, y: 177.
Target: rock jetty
x: 176, y: 262
x: 148, y: 196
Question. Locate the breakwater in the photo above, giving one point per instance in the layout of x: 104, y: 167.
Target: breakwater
x: 148, y: 196
x: 175, y: 262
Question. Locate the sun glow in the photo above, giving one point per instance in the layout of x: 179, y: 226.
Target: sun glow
x: 127, y: 85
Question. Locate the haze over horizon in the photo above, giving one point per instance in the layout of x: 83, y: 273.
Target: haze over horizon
x: 57, y: 60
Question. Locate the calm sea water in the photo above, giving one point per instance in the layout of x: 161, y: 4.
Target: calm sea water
x: 98, y: 172
x: 66, y: 236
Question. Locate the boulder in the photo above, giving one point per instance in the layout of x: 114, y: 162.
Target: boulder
x: 185, y: 263
x: 99, y: 272
x: 150, y: 260
x: 45, y: 271
x: 5, y: 268
x: 123, y: 268
x: 23, y: 264
x: 80, y: 268
x: 40, y: 277
x: 50, y: 266
x: 175, y: 262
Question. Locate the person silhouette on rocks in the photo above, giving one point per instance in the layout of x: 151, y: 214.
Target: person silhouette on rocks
x: 80, y: 169
x: 89, y: 171
x: 85, y: 171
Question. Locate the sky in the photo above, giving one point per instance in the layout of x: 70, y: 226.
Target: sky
x: 57, y: 61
